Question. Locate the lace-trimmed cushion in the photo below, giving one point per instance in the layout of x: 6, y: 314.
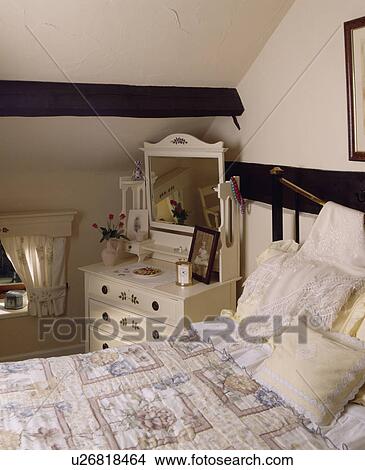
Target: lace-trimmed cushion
x: 351, y: 321
x: 318, y: 378
x: 315, y: 281
x: 259, y: 281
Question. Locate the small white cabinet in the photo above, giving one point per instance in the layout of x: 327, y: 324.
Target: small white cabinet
x: 123, y: 310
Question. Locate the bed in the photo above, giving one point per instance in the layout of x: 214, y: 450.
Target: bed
x: 190, y: 392
x: 173, y: 395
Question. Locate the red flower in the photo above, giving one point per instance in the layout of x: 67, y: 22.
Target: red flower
x: 121, y: 224
x: 173, y: 203
x: 122, y: 216
x: 111, y: 216
x: 95, y: 225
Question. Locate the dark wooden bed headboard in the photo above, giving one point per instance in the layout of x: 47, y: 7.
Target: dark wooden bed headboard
x: 257, y: 184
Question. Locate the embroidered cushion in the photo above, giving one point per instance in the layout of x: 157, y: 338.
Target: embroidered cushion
x: 317, y: 378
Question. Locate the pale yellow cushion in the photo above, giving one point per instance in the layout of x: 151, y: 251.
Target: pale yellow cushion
x: 351, y: 321
x: 229, y: 314
x: 351, y: 318
x: 277, y: 248
x: 360, y: 397
x: 318, y: 378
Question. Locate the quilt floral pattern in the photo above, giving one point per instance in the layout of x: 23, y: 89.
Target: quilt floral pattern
x: 172, y: 395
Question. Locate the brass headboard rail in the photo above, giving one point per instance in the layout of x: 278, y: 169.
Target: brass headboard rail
x: 342, y: 187
x: 277, y: 171
x: 277, y: 202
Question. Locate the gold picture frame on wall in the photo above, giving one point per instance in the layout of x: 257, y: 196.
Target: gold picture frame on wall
x: 355, y: 75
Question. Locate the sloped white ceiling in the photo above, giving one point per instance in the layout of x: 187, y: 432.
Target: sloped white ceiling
x: 154, y: 42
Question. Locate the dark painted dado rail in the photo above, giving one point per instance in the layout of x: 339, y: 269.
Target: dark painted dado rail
x: 22, y: 98
x: 344, y: 187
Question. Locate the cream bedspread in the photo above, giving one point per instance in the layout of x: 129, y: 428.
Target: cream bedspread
x: 179, y: 395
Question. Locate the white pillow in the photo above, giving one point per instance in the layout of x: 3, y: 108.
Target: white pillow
x: 247, y: 305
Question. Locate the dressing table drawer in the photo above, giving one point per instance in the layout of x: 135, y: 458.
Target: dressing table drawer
x: 99, y: 340
x: 134, y: 299
x: 111, y: 324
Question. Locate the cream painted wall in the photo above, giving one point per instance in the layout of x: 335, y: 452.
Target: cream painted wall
x: 84, y: 143
x: 66, y: 162
x: 295, y: 97
x: 94, y: 194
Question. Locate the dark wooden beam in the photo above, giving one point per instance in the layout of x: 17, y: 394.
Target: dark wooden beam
x: 344, y: 187
x: 21, y: 98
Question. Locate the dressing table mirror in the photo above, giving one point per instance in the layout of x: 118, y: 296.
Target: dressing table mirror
x: 186, y: 175
x: 178, y: 169
x: 182, y: 175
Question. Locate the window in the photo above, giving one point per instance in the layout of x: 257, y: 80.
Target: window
x: 9, y: 279
x: 39, y: 259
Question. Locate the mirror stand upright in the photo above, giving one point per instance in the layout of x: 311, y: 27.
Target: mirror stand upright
x: 184, y: 177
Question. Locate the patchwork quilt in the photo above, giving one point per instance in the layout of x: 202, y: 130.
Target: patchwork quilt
x: 171, y: 395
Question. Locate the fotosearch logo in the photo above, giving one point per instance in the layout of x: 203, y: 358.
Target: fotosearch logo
x: 136, y: 329
x: 128, y: 329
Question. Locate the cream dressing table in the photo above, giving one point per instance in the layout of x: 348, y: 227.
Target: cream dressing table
x: 124, y: 309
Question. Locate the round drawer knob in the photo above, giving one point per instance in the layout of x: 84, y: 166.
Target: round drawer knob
x: 155, y: 334
x: 155, y: 306
x: 105, y: 345
x: 104, y: 290
x: 105, y: 316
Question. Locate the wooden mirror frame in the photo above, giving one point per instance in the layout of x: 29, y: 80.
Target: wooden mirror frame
x: 180, y: 146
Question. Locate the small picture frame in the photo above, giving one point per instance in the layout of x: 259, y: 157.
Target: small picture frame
x: 355, y: 76
x: 137, y: 224
x: 202, y: 252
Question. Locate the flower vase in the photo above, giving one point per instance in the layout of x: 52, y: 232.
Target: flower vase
x: 110, y: 253
x: 180, y: 221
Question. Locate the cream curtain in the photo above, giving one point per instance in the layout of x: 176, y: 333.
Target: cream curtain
x: 40, y: 262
